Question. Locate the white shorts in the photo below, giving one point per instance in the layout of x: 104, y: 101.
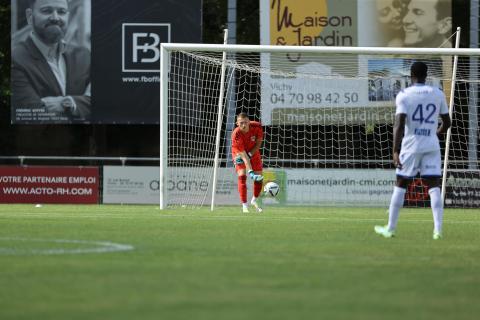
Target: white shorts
x: 427, y: 163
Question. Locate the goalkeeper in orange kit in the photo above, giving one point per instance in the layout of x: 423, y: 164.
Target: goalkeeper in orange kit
x: 246, y: 142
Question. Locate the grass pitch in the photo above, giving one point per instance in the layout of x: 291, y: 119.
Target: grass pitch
x: 60, y: 262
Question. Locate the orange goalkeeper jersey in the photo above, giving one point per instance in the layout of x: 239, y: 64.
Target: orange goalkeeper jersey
x: 246, y: 141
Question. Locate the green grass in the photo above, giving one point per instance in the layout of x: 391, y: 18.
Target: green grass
x: 288, y: 263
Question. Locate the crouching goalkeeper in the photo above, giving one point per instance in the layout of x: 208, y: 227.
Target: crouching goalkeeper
x: 246, y: 142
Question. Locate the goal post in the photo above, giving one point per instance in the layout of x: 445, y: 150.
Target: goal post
x: 451, y: 106
x: 164, y: 73
x: 219, y: 123
x: 327, y: 114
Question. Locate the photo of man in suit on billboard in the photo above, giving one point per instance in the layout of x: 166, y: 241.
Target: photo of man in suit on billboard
x: 50, y: 77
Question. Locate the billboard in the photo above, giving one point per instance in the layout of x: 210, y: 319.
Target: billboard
x: 51, y: 61
x: 463, y: 189
x: 39, y: 184
x: 307, y: 90
x: 128, y: 184
x: 185, y: 185
x: 83, y: 61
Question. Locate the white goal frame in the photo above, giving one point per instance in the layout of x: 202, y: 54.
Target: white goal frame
x: 167, y: 48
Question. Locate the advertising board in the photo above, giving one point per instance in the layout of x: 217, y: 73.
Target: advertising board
x: 38, y: 184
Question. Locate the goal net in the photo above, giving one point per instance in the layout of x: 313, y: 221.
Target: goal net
x: 327, y: 115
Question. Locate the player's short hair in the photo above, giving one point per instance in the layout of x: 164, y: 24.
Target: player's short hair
x: 242, y: 115
x: 419, y: 70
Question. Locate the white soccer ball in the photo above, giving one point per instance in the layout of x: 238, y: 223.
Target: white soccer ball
x: 271, y: 189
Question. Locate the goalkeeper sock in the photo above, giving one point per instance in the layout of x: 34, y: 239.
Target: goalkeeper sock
x: 242, y: 188
x: 396, y: 203
x: 437, y: 209
x: 257, y: 188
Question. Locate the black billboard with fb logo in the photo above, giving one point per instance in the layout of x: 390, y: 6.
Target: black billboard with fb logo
x: 126, y: 42
x: 94, y: 61
x: 141, y: 46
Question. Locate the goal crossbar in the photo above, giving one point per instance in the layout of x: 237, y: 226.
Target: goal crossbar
x: 312, y: 49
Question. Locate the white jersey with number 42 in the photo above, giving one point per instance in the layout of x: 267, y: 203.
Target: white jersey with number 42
x: 422, y: 104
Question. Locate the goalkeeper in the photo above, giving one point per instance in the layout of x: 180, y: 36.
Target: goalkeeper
x: 246, y: 142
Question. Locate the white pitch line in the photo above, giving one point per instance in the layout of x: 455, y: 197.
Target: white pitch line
x: 312, y: 219
x: 232, y: 218
x: 99, y: 247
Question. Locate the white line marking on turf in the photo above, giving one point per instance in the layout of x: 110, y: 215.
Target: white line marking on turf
x: 290, y: 218
x: 99, y: 247
x: 232, y: 217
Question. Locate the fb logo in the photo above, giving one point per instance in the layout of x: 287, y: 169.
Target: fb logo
x: 141, y: 46
x: 146, y: 47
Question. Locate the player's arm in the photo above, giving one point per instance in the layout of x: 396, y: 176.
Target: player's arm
x: 398, y: 131
x: 444, y: 115
x: 446, y: 123
x: 242, y: 157
x: 258, y: 145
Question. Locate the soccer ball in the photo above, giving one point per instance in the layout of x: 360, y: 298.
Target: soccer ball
x: 271, y: 189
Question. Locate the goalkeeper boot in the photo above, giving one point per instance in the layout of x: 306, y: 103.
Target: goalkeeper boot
x: 437, y: 235
x: 245, y: 208
x: 383, y: 231
x: 255, y: 204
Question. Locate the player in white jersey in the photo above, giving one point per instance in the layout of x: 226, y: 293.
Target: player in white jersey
x: 416, y: 148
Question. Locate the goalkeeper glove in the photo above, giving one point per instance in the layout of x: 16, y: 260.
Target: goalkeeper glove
x: 255, y: 177
x: 238, y: 160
